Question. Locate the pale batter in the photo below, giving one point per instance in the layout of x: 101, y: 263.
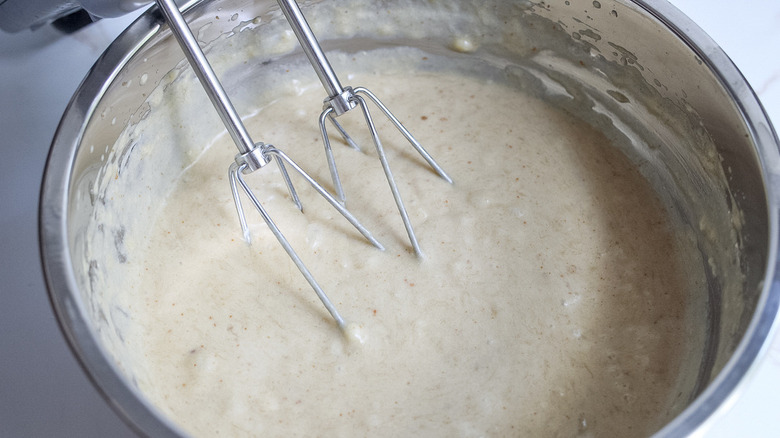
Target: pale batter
x: 550, y: 301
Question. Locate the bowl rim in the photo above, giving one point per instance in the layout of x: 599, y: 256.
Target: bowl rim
x: 144, y: 419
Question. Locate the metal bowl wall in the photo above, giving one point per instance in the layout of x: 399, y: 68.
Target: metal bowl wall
x: 651, y: 80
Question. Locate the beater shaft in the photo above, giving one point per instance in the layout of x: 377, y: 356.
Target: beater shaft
x: 207, y: 77
x: 311, y: 47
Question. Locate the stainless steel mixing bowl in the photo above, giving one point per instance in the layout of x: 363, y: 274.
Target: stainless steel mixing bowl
x: 639, y: 71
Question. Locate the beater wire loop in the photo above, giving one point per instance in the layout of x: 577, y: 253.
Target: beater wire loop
x: 343, y: 99
x: 236, y: 177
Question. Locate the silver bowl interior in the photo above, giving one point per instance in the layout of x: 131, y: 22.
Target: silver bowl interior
x: 641, y: 72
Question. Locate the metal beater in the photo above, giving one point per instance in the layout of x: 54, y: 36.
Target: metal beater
x: 342, y: 99
x: 252, y: 156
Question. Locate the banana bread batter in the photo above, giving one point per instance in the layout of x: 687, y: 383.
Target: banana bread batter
x: 550, y: 300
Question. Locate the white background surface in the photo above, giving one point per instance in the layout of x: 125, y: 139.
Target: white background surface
x: 44, y: 393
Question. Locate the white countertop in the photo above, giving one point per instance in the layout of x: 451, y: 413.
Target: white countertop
x: 44, y: 393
